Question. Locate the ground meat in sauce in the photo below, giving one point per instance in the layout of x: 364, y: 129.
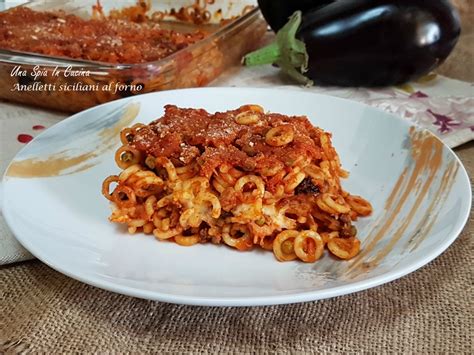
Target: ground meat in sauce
x: 219, y: 139
x: 108, y: 40
x: 307, y: 187
x: 347, y: 229
x: 204, y: 235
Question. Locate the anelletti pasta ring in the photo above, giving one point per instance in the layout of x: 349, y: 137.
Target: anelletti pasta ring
x: 168, y: 165
x: 148, y: 185
x: 292, y: 180
x: 127, y: 156
x: 309, y: 246
x: 283, y: 245
x: 359, y: 205
x: 332, y: 204
x: 279, y: 136
x: 126, y: 135
x: 251, y: 107
x: 247, y: 118
x: 344, y: 248
x: 257, y: 181
x: 206, y: 197
x: 106, y: 186
x: 170, y: 233
x: 186, y: 241
x: 243, y: 242
x: 124, y: 196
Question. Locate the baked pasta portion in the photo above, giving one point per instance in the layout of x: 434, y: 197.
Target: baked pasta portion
x: 117, y: 38
x: 244, y: 178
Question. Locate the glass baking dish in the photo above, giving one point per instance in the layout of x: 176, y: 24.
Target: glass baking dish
x: 194, y: 66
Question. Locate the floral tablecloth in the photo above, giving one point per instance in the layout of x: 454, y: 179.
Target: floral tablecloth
x: 442, y: 105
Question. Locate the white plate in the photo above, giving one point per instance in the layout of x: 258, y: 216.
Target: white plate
x: 419, y: 190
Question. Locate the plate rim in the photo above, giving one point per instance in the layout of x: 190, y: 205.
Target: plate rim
x: 297, y: 297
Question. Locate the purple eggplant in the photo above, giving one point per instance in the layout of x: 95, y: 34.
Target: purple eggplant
x: 276, y: 13
x: 364, y: 42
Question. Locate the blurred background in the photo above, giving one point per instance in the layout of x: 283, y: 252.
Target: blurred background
x: 460, y: 64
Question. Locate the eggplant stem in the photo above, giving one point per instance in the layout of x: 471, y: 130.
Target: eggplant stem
x: 266, y: 55
x: 288, y: 52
